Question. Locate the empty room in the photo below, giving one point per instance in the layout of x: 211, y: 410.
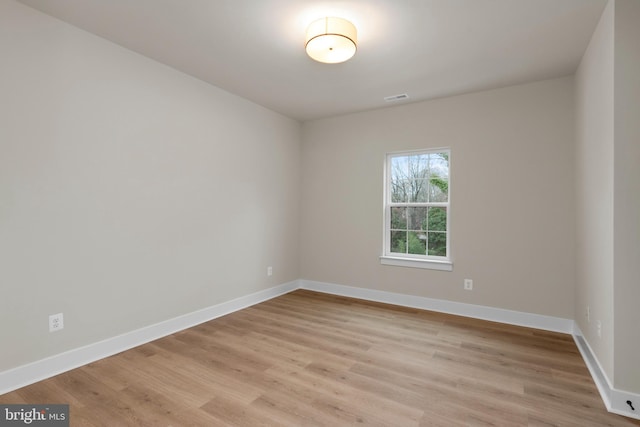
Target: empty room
x: 319, y: 213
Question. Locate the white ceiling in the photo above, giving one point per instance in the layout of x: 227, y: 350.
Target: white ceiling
x: 425, y: 48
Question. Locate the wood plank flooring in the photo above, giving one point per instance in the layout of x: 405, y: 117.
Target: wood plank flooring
x: 310, y: 359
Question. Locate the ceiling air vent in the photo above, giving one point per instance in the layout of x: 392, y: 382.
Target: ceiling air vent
x: 393, y: 98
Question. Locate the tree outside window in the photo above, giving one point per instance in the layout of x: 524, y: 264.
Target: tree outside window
x: 417, y: 204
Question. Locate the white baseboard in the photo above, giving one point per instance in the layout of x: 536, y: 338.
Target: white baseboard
x: 615, y: 400
x: 42, y: 369
x: 548, y: 323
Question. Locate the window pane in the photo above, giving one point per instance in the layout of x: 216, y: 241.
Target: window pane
x: 439, y: 177
x: 417, y: 218
x: 418, y: 169
x: 437, y: 243
x: 399, y: 165
x: 417, y: 243
x: 437, y: 219
x: 438, y: 189
x: 439, y: 164
x: 418, y: 166
x: 400, y: 190
x: 398, y: 218
x: 409, y: 178
x: 399, y: 180
x: 399, y: 242
x: 420, y: 190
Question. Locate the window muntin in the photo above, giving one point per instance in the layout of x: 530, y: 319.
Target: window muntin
x: 417, y: 205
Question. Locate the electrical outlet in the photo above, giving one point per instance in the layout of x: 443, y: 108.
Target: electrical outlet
x: 468, y: 284
x: 599, y: 328
x: 56, y: 322
x: 269, y: 271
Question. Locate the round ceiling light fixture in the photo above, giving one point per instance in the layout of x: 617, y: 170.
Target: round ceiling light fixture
x: 331, y: 40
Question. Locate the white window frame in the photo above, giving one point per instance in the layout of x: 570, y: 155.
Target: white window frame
x: 413, y: 260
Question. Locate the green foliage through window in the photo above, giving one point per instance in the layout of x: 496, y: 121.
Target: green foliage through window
x: 417, y: 203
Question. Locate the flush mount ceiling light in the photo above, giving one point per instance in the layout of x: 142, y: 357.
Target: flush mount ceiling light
x: 331, y: 40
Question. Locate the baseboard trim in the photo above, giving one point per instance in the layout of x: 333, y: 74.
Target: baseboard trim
x: 614, y: 400
x: 21, y: 376
x: 537, y: 321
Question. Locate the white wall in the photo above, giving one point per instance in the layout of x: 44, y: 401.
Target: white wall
x: 512, y: 200
x: 594, y: 189
x: 608, y: 188
x: 129, y: 193
x: 627, y: 196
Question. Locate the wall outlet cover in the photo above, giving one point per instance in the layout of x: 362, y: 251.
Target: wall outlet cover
x: 56, y: 322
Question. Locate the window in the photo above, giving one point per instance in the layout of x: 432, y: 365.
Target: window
x: 416, y: 210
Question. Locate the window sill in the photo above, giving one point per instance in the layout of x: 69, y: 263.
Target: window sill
x: 417, y: 263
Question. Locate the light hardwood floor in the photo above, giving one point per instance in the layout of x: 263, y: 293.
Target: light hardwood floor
x: 310, y: 359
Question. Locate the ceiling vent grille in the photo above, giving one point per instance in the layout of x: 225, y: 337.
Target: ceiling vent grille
x: 393, y: 98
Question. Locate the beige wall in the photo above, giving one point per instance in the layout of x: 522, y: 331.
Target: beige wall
x: 512, y: 197
x: 627, y: 196
x: 608, y: 193
x: 129, y: 193
x: 594, y: 189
